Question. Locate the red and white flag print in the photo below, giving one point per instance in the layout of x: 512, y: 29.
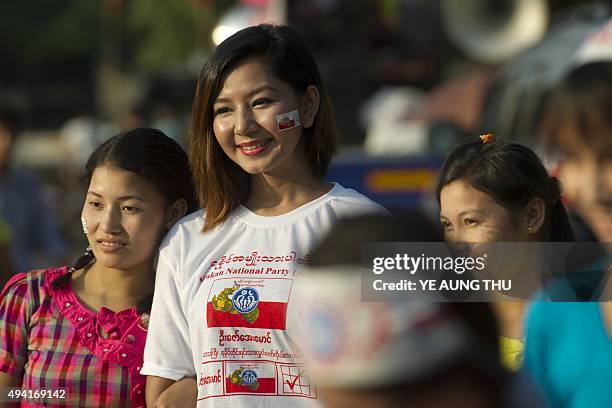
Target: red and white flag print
x: 251, y: 303
x: 288, y: 120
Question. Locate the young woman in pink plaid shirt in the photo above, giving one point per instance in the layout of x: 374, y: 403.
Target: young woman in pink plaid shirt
x: 75, y: 336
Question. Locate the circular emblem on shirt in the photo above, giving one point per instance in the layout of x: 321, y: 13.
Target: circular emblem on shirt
x: 245, y: 299
x: 248, y: 377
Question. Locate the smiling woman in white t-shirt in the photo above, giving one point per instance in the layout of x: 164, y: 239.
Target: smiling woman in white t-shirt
x: 263, y: 136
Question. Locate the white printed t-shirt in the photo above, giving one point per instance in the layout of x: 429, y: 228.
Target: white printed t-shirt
x: 222, y: 305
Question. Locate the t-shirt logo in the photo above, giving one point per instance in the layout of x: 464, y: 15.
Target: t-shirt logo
x: 245, y: 300
x: 238, y: 300
x: 249, y: 377
x: 244, y: 378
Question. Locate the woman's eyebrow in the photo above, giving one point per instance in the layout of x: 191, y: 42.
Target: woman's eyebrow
x: 250, y: 93
x: 122, y: 198
x: 262, y: 88
x: 464, y: 212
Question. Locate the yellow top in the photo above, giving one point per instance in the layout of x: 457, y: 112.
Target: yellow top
x: 5, y: 233
x: 512, y: 351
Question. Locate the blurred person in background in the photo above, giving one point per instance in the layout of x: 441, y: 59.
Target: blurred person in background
x: 497, y: 191
x: 34, y: 231
x: 578, y: 126
x: 569, y: 348
x: 82, y: 329
x: 391, y: 354
x: 82, y: 134
x: 6, y: 264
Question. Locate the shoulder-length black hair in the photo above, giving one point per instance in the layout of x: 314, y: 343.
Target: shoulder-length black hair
x: 221, y: 185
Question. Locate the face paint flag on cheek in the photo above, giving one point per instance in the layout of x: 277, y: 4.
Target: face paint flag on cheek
x: 288, y: 120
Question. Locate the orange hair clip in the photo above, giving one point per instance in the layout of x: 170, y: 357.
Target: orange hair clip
x: 487, y: 138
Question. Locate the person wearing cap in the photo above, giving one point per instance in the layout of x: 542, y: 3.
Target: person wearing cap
x: 391, y: 354
x: 569, y: 345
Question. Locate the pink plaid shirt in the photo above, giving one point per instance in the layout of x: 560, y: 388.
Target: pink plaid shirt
x: 50, y: 340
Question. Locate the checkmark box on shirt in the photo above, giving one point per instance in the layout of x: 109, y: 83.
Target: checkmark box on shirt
x: 291, y: 384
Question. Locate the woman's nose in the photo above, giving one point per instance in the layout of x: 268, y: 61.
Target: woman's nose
x: 111, y: 221
x: 457, y: 235
x: 245, y: 122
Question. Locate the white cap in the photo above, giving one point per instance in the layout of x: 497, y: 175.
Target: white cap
x: 352, y: 344
x: 597, y: 46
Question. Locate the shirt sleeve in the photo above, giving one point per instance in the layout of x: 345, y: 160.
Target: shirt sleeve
x: 362, y: 205
x: 168, y: 351
x: 15, y: 312
x: 536, y: 348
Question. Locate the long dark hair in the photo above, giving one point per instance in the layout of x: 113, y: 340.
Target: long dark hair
x: 512, y: 175
x: 221, y: 184
x: 151, y: 155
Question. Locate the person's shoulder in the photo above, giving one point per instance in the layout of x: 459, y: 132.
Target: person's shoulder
x: 188, y: 225
x: 191, y: 221
x: 31, y: 283
x: 550, y: 313
x: 24, y: 177
x: 22, y: 181
x: 352, y: 202
x: 183, y: 233
x: 17, y: 283
x: 537, y: 308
